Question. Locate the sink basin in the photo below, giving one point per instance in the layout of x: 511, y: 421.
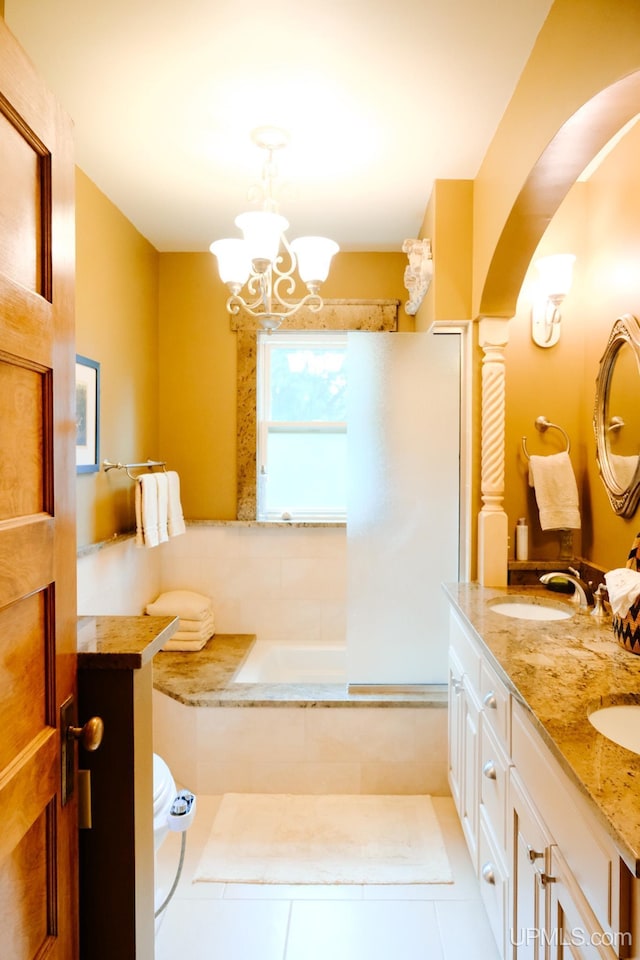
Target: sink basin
x: 525, y: 609
x: 620, y: 723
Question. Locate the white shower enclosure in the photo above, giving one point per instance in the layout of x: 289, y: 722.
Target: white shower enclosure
x: 403, y: 507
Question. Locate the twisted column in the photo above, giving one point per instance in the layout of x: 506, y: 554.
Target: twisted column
x: 492, y: 520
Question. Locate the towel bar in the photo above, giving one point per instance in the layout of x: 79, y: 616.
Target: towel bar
x: 543, y: 424
x: 128, y: 467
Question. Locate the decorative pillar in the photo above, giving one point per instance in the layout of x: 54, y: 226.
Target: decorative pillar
x: 493, y: 534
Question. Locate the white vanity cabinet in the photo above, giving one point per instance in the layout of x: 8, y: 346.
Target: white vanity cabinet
x: 464, y: 711
x: 552, y: 881
x: 478, y: 763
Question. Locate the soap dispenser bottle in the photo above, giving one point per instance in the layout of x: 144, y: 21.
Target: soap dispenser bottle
x: 522, y: 539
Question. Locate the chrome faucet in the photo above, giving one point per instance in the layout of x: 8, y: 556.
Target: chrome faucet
x: 582, y: 592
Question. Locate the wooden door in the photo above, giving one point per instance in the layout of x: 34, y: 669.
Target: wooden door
x: 38, y: 834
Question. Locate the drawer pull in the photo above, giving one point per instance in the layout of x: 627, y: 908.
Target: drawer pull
x: 489, y: 770
x: 545, y: 879
x: 487, y: 873
x: 490, y: 701
x: 534, y: 854
x: 456, y: 685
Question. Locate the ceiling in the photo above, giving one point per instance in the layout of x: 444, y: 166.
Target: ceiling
x: 379, y: 99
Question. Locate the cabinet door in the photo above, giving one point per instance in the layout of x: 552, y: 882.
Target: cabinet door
x: 463, y: 752
x: 528, y: 852
x: 456, y: 721
x: 469, y: 796
x: 573, y: 930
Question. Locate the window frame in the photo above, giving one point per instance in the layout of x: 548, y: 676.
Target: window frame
x: 365, y: 315
x: 266, y: 343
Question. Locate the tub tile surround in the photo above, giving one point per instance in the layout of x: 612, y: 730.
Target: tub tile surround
x: 116, y: 578
x: 275, y: 581
x: 215, y: 750
x: 289, y: 742
x: 278, y: 582
x: 560, y: 671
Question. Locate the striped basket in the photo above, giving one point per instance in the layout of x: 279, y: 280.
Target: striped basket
x: 627, y: 628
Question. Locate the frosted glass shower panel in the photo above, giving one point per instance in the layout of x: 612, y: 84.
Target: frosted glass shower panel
x: 402, y: 504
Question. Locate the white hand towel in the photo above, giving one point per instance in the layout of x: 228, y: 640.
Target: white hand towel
x: 175, y: 518
x: 180, y: 603
x: 147, y: 532
x: 184, y: 646
x: 556, y: 491
x: 623, y: 586
x: 163, y: 506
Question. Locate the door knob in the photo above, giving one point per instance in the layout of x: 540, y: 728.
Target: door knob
x: 90, y: 735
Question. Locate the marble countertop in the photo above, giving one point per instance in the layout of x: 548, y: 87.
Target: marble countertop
x: 121, y: 643
x: 205, y: 679
x: 561, y: 671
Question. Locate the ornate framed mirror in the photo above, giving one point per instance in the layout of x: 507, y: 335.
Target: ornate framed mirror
x: 616, y: 418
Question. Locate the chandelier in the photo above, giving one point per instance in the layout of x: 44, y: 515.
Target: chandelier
x: 255, y: 260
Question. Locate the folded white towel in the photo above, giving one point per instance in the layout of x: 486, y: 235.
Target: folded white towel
x: 181, y: 603
x: 184, y: 646
x: 556, y: 491
x: 623, y: 586
x: 194, y: 636
x: 146, y: 504
x: 195, y: 626
x: 175, y: 518
x: 163, y: 506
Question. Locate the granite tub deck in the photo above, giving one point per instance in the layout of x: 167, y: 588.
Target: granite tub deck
x: 205, y: 679
x: 561, y: 671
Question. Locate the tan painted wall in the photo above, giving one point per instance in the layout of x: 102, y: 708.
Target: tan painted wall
x: 584, y: 46
x: 599, y: 223
x: 612, y: 287
x: 198, y: 366
x: 116, y: 324
x: 448, y: 222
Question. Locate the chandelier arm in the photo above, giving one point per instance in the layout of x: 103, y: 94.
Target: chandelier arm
x: 288, y: 285
x: 312, y: 302
x: 277, y: 267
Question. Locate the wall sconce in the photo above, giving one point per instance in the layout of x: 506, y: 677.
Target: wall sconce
x: 417, y: 276
x: 554, y: 282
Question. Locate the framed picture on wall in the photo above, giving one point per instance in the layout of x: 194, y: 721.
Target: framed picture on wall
x: 87, y: 415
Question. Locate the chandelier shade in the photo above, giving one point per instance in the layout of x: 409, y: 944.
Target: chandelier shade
x: 234, y: 265
x: 256, y: 261
x: 262, y: 231
x: 313, y: 255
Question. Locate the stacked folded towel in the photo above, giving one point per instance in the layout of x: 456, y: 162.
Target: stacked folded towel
x: 195, y: 618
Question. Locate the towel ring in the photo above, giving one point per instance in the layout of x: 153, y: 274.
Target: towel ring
x: 543, y: 424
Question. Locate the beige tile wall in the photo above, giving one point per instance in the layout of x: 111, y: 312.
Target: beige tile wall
x: 214, y: 750
x: 276, y: 582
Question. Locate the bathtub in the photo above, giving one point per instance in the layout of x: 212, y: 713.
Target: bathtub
x: 282, y: 661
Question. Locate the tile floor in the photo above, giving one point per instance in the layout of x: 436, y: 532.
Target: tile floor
x: 218, y: 921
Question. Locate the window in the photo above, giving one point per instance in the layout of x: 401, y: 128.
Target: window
x: 302, y: 425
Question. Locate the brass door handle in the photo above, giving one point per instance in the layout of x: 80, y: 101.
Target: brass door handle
x: 90, y: 735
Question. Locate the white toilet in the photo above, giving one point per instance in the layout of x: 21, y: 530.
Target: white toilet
x: 172, y: 810
x: 164, y: 791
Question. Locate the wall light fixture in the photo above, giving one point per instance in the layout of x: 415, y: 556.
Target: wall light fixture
x: 554, y: 281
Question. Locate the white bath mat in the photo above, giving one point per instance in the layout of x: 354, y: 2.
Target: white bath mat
x: 287, y: 838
